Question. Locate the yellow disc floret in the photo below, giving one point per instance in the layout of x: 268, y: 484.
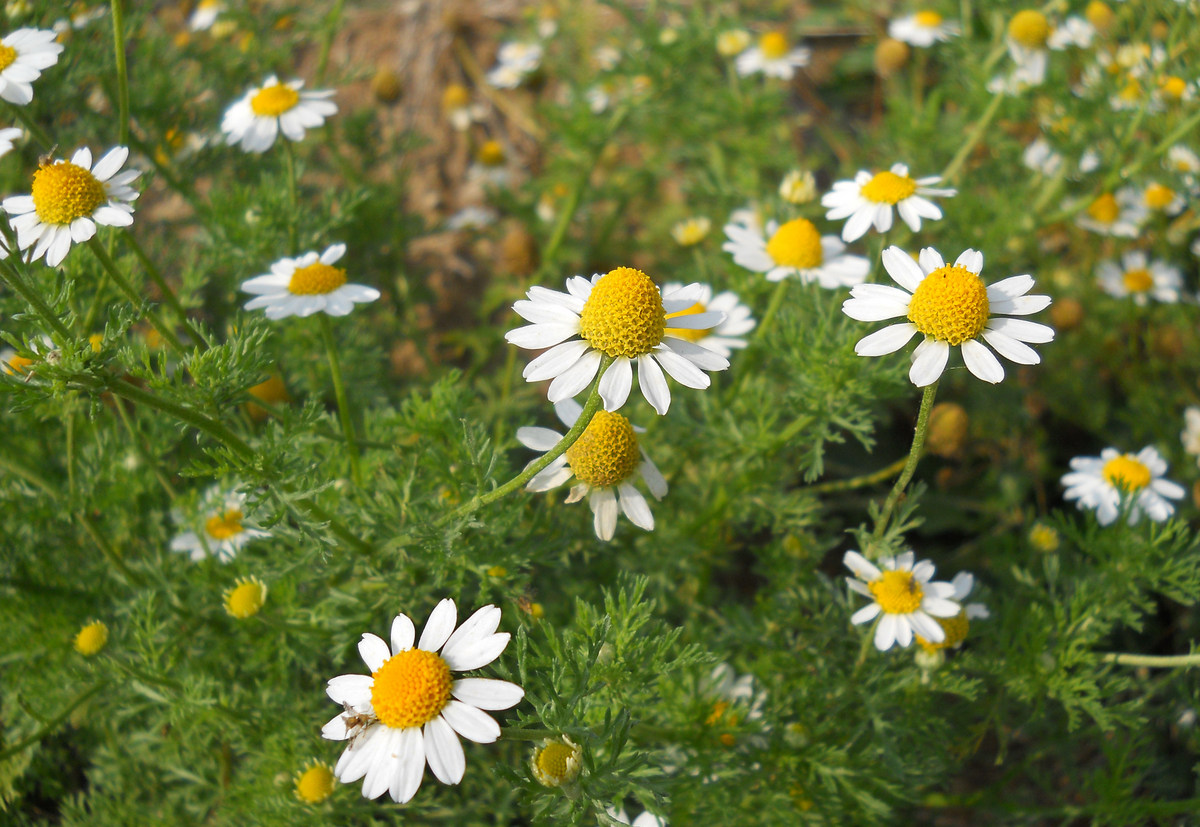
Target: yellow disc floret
x: 491, y: 154
x: 928, y: 19
x: 7, y: 55
x: 897, y: 592
x: 64, y: 191
x: 91, y: 638
x: 455, y: 96
x: 1105, y: 209
x: 956, y: 629
x: 1158, y: 197
x: 316, y: 783
x: 556, y: 763
x: 225, y: 525
x: 317, y: 278
x: 410, y: 689
x: 246, y: 598
x: 797, y: 244
x: 1030, y: 28
x: 624, y: 314
x: 773, y: 45
x: 1138, y: 280
x: 888, y: 188
x: 950, y: 304
x: 1126, y: 472
x: 1173, y: 87
x: 273, y: 101
x: 606, y: 453
x: 1099, y: 15
x: 691, y: 334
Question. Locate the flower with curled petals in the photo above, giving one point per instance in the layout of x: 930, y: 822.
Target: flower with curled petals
x: 951, y: 307
x: 903, y: 596
x: 409, y: 711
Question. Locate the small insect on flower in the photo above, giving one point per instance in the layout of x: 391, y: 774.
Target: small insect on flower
x: 1101, y: 483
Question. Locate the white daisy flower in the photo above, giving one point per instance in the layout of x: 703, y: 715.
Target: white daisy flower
x: 1039, y: 156
x: 737, y: 698
x: 606, y: 461
x: 619, y: 314
x: 956, y: 627
x: 307, y: 285
x: 950, y: 307
x: 726, y: 337
x: 556, y: 762
x: 1074, y: 31
x: 923, y: 29
x: 795, y: 250
x: 458, y: 108
x: 265, y: 111
x: 1028, y: 33
x: 1155, y: 197
x: 904, y: 594
x: 8, y: 137
x: 221, y: 528
x: 491, y: 166
x: 205, y: 14
x: 1191, y: 431
x: 68, y: 200
x: 691, y: 231
x: 1183, y: 162
x: 799, y: 186
x: 23, y: 55
x: 749, y: 216
x: 773, y: 56
x: 514, y: 62
x: 869, y: 199
x: 1107, y: 215
x: 646, y: 819
x: 1140, y: 278
x: 1098, y: 483
x: 410, y: 711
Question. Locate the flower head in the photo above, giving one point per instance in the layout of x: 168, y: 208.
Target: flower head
x: 245, y: 598
x: 410, y: 710
x: 1140, y: 278
x: 23, y: 55
x: 951, y: 307
x: 458, y: 108
x: 221, y: 529
x: 91, y: 638
x: 774, y: 56
x: 1099, y: 483
x: 606, y: 461
x: 306, y: 285
x: 67, y: 201
x: 514, y: 62
x: 795, y: 249
x: 869, y: 199
x: 691, y: 231
x: 622, y: 315
x: 1028, y: 33
x: 315, y: 783
x: 726, y: 337
x: 733, y: 41
x: 923, y: 29
x: 1108, y: 215
x: 799, y: 186
x: 556, y: 761
x: 956, y: 627
x: 265, y: 111
x: 903, y: 597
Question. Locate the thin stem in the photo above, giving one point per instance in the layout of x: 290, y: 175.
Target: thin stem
x: 32, y: 126
x: 589, y: 410
x: 106, y: 548
x: 857, y: 482
x: 772, y: 309
x: 918, y: 83
x: 910, y: 464
x: 952, y: 169
x: 339, y: 391
x: 289, y: 163
x: 1154, y: 661
x: 14, y: 280
x: 118, y: 20
x: 331, y: 22
x: 165, y: 289
x: 54, y: 722
x: 863, y: 650
x: 70, y: 415
x: 125, y: 287
x: 139, y: 446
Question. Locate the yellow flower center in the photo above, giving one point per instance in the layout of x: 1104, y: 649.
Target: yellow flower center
x: 91, y: 639
x: 897, y: 592
x: 7, y: 55
x: 797, y: 244
x: 1099, y: 15
x: 410, y: 689
x: 1105, y: 209
x: 556, y: 763
x: 692, y: 231
x: 273, y: 101
x: 272, y: 391
x: 96, y: 340
x: 317, y: 278
x: 773, y: 45
x: 245, y: 599
x: 606, y: 453
x: 1044, y: 538
x: 956, y: 629
x: 717, y: 713
x: 490, y: 154
x: 1158, y: 197
x: 888, y: 188
x: 624, y: 314
x: 691, y: 334
x: 17, y: 364
x: 1173, y: 87
x: 950, y: 304
x: 63, y: 192
x: 1137, y: 280
x: 1131, y: 91
x: 1127, y: 473
x: 1030, y: 28
x: 928, y: 19
x: 315, y: 784
x: 455, y: 96
x: 224, y: 525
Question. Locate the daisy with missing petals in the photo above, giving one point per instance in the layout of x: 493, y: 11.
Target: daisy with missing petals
x: 23, y: 55
x: 903, y: 597
x: 923, y: 29
x: 869, y: 199
x: 726, y: 337
x: 410, y: 711
x: 795, y: 250
x: 221, y: 529
x: 307, y: 285
x: 1099, y: 482
x: 773, y: 56
x: 1140, y: 278
x: 956, y: 627
x: 951, y: 307
x: 622, y: 315
x: 275, y: 107
x: 606, y: 461
x: 68, y: 200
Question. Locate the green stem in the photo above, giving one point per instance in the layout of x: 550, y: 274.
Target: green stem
x: 339, y: 391
x: 289, y: 163
x: 910, y: 464
x: 125, y: 287
x: 70, y: 414
x: 589, y: 410
x: 330, y: 30
x: 857, y: 482
x: 118, y: 20
x: 165, y: 289
x: 54, y: 722
x: 106, y: 548
x: 140, y: 447
x: 772, y: 309
x: 973, y: 137
x: 865, y: 648
x: 1154, y: 661
x: 15, y: 282
x: 918, y: 83
x: 32, y: 126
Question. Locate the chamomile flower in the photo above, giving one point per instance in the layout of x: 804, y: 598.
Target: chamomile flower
x: 68, y: 199
x: 1040, y: 157
x: 91, y: 638
x: 774, y: 56
x: 514, y: 62
x: 951, y: 307
x: 923, y: 29
x: 868, y: 200
x: 1184, y: 162
x: 726, y: 337
x: 799, y: 186
x: 265, y: 111
x: 556, y: 761
x: 691, y: 231
x: 1098, y: 483
x: 1191, y: 431
x: 1138, y: 277
x: 306, y: 285
x: 1108, y: 216
x: 205, y: 14
x: 795, y: 250
x: 8, y: 137
x: 245, y: 598
x: 956, y: 627
x: 733, y: 42
x: 410, y: 710
x: 491, y: 166
x: 1028, y: 33
x: 605, y: 461
x: 903, y: 596
x: 219, y: 527
x: 1075, y: 32
x: 315, y: 783
x: 458, y: 108
x: 735, y: 701
x: 1154, y: 197
x: 23, y: 55
x: 622, y: 315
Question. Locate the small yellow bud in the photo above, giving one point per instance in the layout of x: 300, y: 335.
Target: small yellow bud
x: 385, y: 85
x: 891, y: 55
x: 91, y: 638
x: 948, y: 423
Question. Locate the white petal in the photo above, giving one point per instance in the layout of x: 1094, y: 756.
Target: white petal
x: 1011, y: 349
x: 487, y: 693
x: 538, y: 336
x: 680, y: 369
x: 900, y: 266
x: 374, y: 651
x: 616, y: 383
x: 1010, y: 288
x: 904, y: 632
x: 576, y: 378
x: 858, y: 224
x: 635, y: 507
x: 927, y: 627
x: 698, y: 355
x: 439, y: 625
x: 866, y: 613
x: 981, y: 361
x: 885, y: 632
x: 889, y: 340
x: 555, y: 361
x: 444, y: 751
x: 970, y: 259
x: 861, y: 566
x: 107, y: 166
x: 383, y: 768
x: 475, y: 629
x: 653, y: 384
x: 928, y: 362
x: 1023, y: 330
x: 471, y: 723
x: 411, y: 764
x: 539, y: 439
x: 604, y: 512
x: 349, y: 689
x: 930, y: 260
x: 653, y: 478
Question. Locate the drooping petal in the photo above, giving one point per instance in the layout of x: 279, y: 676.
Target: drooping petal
x: 889, y: 340
x: 616, y: 383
